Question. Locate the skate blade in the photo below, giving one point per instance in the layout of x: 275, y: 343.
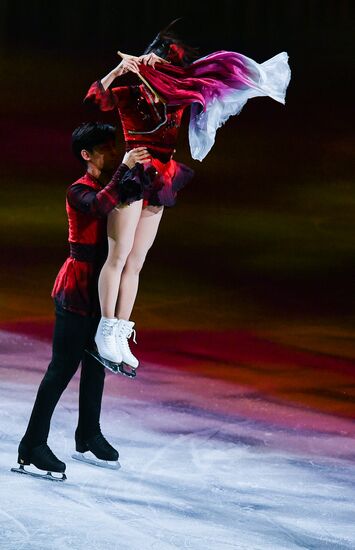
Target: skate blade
x: 48, y: 475
x: 117, y: 368
x: 90, y: 458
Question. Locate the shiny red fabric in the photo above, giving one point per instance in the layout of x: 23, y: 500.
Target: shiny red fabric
x: 75, y: 287
x: 198, y: 82
x: 139, y: 113
x: 171, y: 177
x: 83, y: 228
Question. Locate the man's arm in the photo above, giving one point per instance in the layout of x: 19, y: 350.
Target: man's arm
x: 119, y: 189
x: 97, y: 203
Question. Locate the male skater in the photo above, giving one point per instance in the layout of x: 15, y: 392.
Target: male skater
x: 75, y: 294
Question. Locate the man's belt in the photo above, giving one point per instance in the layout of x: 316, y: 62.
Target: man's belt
x: 87, y: 252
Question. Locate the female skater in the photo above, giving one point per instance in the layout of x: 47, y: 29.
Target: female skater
x: 215, y: 86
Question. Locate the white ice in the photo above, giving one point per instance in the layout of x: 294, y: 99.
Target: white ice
x: 199, y: 469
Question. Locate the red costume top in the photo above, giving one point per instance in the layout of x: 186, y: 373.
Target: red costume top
x: 87, y: 206
x: 150, y: 124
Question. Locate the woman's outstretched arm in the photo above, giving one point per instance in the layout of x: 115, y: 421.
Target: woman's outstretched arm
x: 128, y: 63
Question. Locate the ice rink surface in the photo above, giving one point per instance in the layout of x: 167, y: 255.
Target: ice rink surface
x: 206, y: 463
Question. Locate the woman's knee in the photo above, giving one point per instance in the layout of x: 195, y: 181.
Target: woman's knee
x: 117, y: 259
x: 134, y: 264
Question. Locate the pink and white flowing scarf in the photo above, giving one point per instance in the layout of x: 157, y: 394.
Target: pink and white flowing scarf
x: 217, y: 86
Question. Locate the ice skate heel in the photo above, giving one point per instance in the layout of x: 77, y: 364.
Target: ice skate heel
x: 81, y: 447
x: 24, y: 455
x: 43, y: 459
x: 23, y: 461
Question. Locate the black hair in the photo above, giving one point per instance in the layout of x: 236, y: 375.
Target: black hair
x: 88, y: 135
x: 169, y: 46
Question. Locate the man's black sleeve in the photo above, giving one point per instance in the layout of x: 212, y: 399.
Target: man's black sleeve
x: 97, y: 203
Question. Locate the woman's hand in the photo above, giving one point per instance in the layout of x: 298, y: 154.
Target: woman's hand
x: 151, y: 59
x: 128, y: 63
x: 139, y: 154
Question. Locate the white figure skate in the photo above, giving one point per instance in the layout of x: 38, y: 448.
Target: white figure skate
x: 124, y: 332
x: 107, y: 352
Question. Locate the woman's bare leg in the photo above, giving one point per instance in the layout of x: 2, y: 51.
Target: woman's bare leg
x: 144, y: 237
x: 121, y: 228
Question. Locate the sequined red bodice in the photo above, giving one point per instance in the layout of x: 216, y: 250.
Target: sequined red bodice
x: 144, y: 122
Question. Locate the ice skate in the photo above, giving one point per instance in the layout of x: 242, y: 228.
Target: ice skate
x: 106, y: 351
x: 105, y: 340
x: 123, y: 333
x: 97, y: 451
x: 43, y: 459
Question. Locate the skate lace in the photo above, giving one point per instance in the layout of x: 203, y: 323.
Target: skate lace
x: 107, y: 329
x: 124, y: 335
x: 129, y: 334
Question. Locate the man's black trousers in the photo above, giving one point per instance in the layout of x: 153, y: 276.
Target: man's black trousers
x: 73, y: 333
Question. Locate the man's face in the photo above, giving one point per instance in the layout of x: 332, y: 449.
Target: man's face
x: 104, y: 157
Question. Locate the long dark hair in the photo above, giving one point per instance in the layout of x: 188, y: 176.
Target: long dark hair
x: 169, y: 46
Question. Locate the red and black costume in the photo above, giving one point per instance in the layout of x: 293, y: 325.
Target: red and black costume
x: 150, y: 124
x: 77, y: 307
x: 87, y: 206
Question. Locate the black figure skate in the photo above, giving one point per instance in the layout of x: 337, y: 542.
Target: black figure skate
x: 96, y: 451
x: 41, y: 457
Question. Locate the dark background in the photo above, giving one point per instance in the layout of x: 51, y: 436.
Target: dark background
x: 263, y: 236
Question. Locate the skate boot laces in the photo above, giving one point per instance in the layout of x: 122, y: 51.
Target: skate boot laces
x: 108, y: 334
x: 107, y: 328
x: 129, y: 334
x: 125, y: 332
